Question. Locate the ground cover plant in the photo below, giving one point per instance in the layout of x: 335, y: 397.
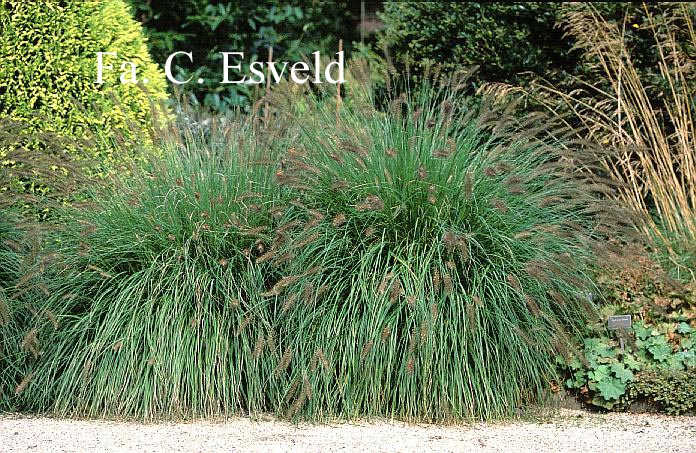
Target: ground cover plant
x: 653, y: 371
x: 604, y: 376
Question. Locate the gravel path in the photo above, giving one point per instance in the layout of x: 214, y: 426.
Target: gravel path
x: 565, y: 430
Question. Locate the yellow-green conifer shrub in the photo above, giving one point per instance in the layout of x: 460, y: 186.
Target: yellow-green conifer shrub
x: 48, y: 68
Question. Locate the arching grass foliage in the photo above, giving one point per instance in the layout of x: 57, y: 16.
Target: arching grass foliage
x: 423, y: 262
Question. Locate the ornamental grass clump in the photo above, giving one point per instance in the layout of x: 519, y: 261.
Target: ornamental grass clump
x: 154, y: 294
x: 424, y: 261
x: 434, y: 258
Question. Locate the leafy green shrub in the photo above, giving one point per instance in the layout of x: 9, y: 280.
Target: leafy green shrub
x: 48, y: 64
x: 673, y: 391
x: 424, y: 250
x: 206, y: 28
x: 606, y: 377
x: 502, y: 38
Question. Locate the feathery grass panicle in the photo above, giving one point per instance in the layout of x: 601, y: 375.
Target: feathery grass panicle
x: 647, y: 128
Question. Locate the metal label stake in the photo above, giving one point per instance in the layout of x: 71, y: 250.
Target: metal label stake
x: 622, y: 324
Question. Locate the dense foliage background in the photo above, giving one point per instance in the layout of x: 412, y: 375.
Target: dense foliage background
x: 510, y: 42
x: 203, y: 27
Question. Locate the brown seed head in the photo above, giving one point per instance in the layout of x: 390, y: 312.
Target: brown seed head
x: 514, y: 282
x: 447, y: 281
x: 284, y: 362
x: 434, y: 310
x: 258, y: 347
x: 339, y: 220
x: 30, y: 343
x: 307, y: 387
x: 386, y: 333
x: 23, y: 385
x: 436, y: 280
x: 532, y: 304
x: 449, y: 239
x: 410, y: 365
x: 423, y: 332
x: 441, y: 153
x: 371, y: 203
x: 396, y: 290
x: 500, y: 205
x: 468, y: 185
x: 367, y: 347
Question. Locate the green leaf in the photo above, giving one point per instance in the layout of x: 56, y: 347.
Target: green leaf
x: 641, y: 331
x: 574, y: 363
x: 580, y: 379
x: 606, y: 351
x: 688, y: 358
x: 631, y: 363
x: 660, y: 351
x: 611, y: 389
x: 601, y: 402
x: 674, y: 362
x: 624, y: 374
x: 684, y: 328
x: 599, y: 374
x: 595, y: 347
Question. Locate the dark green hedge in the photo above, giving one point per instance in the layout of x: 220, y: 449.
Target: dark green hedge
x: 504, y: 39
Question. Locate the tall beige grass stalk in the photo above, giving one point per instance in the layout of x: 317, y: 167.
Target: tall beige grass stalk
x: 653, y: 136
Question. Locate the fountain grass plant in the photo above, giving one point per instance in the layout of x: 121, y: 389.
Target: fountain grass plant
x: 422, y: 262
x: 154, y: 299
x: 437, y: 258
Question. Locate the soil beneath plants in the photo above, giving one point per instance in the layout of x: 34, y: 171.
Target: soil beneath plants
x: 561, y: 430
